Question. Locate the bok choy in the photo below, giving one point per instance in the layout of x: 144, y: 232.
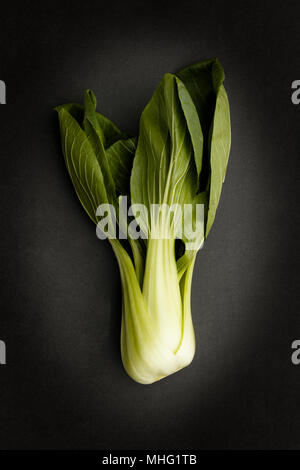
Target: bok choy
x: 178, y: 161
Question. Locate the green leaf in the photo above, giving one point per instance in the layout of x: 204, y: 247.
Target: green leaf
x: 82, y: 164
x: 193, y: 123
x: 164, y: 171
x: 120, y: 159
x: 76, y: 111
x: 111, y: 133
x: 204, y: 82
x: 200, y: 80
x: 106, y: 130
x: 197, y: 238
x: 200, y: 83
x: 220, y: 148
x: 96, y: 137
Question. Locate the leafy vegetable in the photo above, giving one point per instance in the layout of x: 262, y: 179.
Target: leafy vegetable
x: 179, y: 159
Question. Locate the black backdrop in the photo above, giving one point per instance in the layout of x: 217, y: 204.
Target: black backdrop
x: 63, y: 386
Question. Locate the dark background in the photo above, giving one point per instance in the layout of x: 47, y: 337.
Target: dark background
x: 64, y: 386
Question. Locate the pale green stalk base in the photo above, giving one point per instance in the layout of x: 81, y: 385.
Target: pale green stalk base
x: 157, y: 334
